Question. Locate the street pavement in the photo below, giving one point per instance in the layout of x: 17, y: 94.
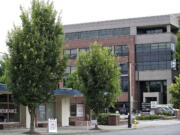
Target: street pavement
x: 162, y: 127
x: 159, y: 130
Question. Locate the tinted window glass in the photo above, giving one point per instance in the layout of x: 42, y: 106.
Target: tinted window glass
x: 154, y: 56
x: 97, y: 33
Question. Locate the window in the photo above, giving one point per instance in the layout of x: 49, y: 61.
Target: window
x: 155, y: 86
x: 73, y: 68
x: 151, y: 30
x: 45, y: 111
x: 124, y: 83
x: 109, y: 48
x: 124, y: 68
x: 71, y: 53
x: 154, y: 56
x: 81, y: 50
x: 69, y: 70
x: 121, y: 50
x: 9, y: 112
x: 73, y: 109
x: 97, y: 33
x: 144, y: 86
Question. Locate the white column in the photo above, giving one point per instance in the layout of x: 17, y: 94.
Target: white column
x: 27, y: 118
x: 65, y: 114
x: 168, y: 27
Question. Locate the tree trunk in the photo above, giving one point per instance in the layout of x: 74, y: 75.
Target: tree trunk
x: 96, y: 125
x: 31, y: 109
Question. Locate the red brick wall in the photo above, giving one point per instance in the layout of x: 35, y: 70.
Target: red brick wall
x: 77, y: 100
x: 111, y: 41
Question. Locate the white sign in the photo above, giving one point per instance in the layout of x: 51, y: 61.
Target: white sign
x: 152, y: 112
x: 93, y: 122
x: 153, y: 104
x: 8, y: 111
x: 52, y: 125
x: 79, y: 110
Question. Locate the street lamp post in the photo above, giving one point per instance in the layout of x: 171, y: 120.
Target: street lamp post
x: 129, y: 92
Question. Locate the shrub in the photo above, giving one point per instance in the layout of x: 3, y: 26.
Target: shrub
x: 103, y: 119
x: 147, y: 117
x: 164, y: 113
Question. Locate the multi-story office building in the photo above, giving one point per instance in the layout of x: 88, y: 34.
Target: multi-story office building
x: 150, y: 43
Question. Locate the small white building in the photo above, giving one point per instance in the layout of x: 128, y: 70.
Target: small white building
x: 12, y: 115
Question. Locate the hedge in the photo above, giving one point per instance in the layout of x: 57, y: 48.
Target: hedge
x: 147, y: 117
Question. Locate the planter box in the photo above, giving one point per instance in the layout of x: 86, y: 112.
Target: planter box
x: 114, y: 119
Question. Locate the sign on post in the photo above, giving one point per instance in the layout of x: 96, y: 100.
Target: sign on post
x: 146, y: 107
x: 52, y: 125
x: 93, y: 122
x: 153, y: 104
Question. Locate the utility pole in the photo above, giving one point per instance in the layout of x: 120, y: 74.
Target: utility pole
x: 129, y: 92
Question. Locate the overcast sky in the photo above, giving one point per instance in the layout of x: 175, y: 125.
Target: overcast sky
x: 78, y: 11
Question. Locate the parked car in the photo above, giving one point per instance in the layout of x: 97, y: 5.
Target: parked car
x: 163, y: 109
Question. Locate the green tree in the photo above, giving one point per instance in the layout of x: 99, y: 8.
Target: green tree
x: 2, y: 71
x: 72, y: 81
x: 35, y: 66
x: 174, y: 90
x: 98, y: 78
x: 177, y: 50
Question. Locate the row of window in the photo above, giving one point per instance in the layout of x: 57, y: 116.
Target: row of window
x: 154, y: 56
x: 153, y: 86
x: 123, y: 69
x: 97, y: 33
x: 119, y: 50
x: 124, y: 79
x: 151, y: 30
x: 155, y: 47
x: 153, y: 65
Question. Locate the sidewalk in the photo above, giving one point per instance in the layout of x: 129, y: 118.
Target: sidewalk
x: 83, y: 129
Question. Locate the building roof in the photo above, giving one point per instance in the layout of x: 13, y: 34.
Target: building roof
x: 67, y: 92
x: 3, y: 88
x: 56, y: 92
x: 121, y: 23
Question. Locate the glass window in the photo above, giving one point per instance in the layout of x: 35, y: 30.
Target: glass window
x: 124, y: 83
x: 144, y: 86
x: 121, y: 50
x: 124, y: 68
x: 153, y: 56
x: 73, y: 109
x: 67, y: 52
x: 73, y: 54
x: 68, y: 70
x: 97, y: 33
x: 45, y: 111
x: 9, y: 112
x: 73, y: 68
x: 155, y: 86
x: 3, y: 98
x: 105, y: 33
x: 41, y: 112
x: 81, y: 50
